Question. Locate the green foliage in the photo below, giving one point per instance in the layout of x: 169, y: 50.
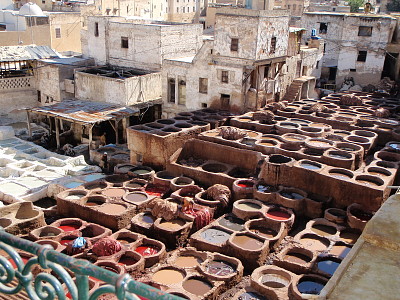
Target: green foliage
x: 355, y: 4
x: 393, y: 5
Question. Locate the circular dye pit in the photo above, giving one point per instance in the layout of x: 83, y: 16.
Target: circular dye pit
x: 168, y: 276
x: 197, y: 286
x: 361, y: 214
x: 264, y: 232
x: 141, y: 172
x: 245, y: 184
x: 297, y: 258
x: 323, y: 230
x: 188, y: 261
x: 339, y: 155
x: 314, y: 243
x: 328, y: 266
x: 369, y: 181
x: 147, y: 218
x: 114, y: 193
x: 215, y: 236
x: 274, y: 281
x: 112, y: 209
x: 343, y: 175
x: 126, y: 239
x: 310, y: 287
x: 349, y: 237
x: 265, y: 188
x: 278, y: 215
x: 172, y: 225
x: 248, y: 206
x: 268, y: 143
x: 135, y: 185
x: 135, y: 197
x: 340, y: 250
x: 291, y: 195
x: 147, y: 250
x: 127, y: 260
x: 232, y: 223
x: 247, y: 242
x: 95, y: 201
x: 214, y: 168
x: 75, y: 196
x: 69, y: 227
x: 310, y: 165
x: 251, y: 296
x: 220, y: 268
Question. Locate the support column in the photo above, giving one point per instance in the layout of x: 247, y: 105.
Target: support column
x: 57, y: 133
x: 124, y: 126
x: 90, y: 135
x: 28, y: 120
x: 116, y: 132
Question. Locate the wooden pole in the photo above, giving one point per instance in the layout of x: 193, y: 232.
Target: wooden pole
x: 57, y: 133
x: 116, y: 132
x: 90, y: 136
x: 28, y: 120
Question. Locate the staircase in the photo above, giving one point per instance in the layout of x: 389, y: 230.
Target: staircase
x: 293, y: 93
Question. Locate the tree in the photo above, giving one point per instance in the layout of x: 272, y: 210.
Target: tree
x: 393, y: 5
x: 355, y: 5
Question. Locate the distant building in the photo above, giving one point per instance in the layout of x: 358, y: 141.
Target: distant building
x: 355, y: 45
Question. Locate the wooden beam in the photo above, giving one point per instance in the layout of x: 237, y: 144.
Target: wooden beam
x: 28, y: 120
x: 57, y: 133
x: 90, y: 135
x: 116, y: 132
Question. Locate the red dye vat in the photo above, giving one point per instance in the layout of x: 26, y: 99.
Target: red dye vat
x: 65, y: 242
x: 127, y: 261
x: 245, y: 184
x: 147, y: 250
x: 155, y: 191
x: 69, y: 227
x: 278, y: 215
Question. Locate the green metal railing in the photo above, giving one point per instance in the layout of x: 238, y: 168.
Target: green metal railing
x: 47, y: 286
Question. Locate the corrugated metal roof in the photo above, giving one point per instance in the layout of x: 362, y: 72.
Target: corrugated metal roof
x: 85, y: 111
x: 32, y: 52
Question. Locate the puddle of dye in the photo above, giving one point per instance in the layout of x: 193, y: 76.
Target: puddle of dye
x: 249, y: 206
x: 197, y: 286
x: 340, y: 251
x: 310, y: 166
x: 349, y: 237
x: 297, y: 258
x: 112, y: 208
x: 292, y: 195
x: 75, y: 197
x: 135, y: 197
x: 188, y: 261
x: 328, y: 266
x: 310, y: 287
x: 147, y: 250
x: 172, y: 225
x: 233, y: 223
x: 219, y: 268
x: 126, y: 260
x: 247, y: 242
x: 313, y: 244
x: 323, y: 230
x: 215, y: 236
x: 264, y: 188
x: 141, y: 171
x: 114, y: 193
x: 147, y: 219
x: 274, y: 281
x: 264, y: 232
x: 168, y: 276
x: 278, y: 215
x: 251, y: 296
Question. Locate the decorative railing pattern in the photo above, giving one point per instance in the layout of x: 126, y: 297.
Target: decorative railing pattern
x: 55, y: 281
x: 16, y: 83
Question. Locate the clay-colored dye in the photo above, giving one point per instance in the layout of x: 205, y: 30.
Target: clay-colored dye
x: 126, y: 240
x: 168, y: 276
x: 248, y: 206
x: 232, y: 222
x: 313, y: 244
x: 339, y: 250
x: 323, y: 230
x: 267, y: 144
x: 189, y: 261
x: 349, y: 237
x: 114, y: 193
x: 112, y: 209
x: 274, y: 280
x: 247, y: 242
x: 172, y: 225
x: 215, y: 236
x: 297, y: 258
x: 196, y: 286
x: 264, y: 232
x: 136, y: 197
x: 220, y: 268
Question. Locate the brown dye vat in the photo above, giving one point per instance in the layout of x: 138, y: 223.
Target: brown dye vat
x: 340, y: 250
x: 247, y: 242
x: 349, y: 237
x: 323, y: 230
x: 268, y: 143
x: 94, y: 201
x: 220, y: 268
x: 368, y: 182
x: 188, y: 261
x: 197, y: 286
x: 172, y: 225
x: 168, y: 276
x: 274, y: 281
x: 126, y: 240
x: 127, y: 260
x: 264, y: 232
x: 297, y: 258
x: 135, y: 197
x: 112, y: 208
x: 114, y: 193
x: 360, y: 214
x: 313, y: 243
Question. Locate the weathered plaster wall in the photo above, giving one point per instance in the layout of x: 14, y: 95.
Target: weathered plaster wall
x: 48, y: 83
x: 70, y: 26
